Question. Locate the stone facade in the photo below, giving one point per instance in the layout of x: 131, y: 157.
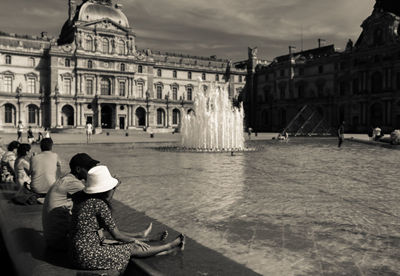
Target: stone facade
x: 94, y: 73
x: 360, y: 85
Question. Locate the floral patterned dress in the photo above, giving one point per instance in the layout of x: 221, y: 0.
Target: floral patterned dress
x: 88, y: 252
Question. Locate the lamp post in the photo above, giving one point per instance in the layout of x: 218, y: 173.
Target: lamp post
x: 167, y: 101
x: 147, y: 109
x: 182, y: 98
x: 19, y: 91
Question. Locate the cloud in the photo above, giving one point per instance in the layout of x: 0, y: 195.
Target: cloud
x: 207, y: 27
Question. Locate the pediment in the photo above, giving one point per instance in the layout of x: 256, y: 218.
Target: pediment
x: 104, y: 25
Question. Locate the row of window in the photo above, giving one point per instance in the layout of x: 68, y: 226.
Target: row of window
x: 189, y: 75
x: 108, y: 46
x: 8, y: 85
x: 31, y: 61
x: 189, y: 93
x: 10, y: 113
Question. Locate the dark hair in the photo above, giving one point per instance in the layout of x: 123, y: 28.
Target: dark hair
x: 13, y: 145
x: 46, y: 144
x: 23, y: 149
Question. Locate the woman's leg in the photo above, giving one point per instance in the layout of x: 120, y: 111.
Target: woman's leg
x: 178, y: 243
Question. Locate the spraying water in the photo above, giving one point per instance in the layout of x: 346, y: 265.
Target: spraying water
x: 215, y: 125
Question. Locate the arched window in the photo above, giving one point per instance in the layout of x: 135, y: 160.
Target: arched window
x: 67, y: 62
x: 159, y: 73
x: 140, y: 69
x: 89, y: 43
x: 106, y: 46
x: 176, y: 117
x: 8, y: 113
x: 189, y: 93
x: 123, y: 67
x: 32, y: 111
x: 105, y: 86
x: 203, y: 76
x: 90, y: 64
x: 159, y: 92
x: 160, y: 117
x: 8, y: 59
x: 175, y: 93
x: 174, y: 74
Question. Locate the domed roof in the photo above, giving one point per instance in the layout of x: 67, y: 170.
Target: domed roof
x: 92, y: 11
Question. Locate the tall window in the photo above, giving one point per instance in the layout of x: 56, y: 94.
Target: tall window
x: 123, y: 67
x: 89, y: 87
x: 122, y: 88
x: 140, y: 69
x: 159, y: 73
x: 175, y: 117
x: 175, y: 93
x: 89, y: 43
x: 174, y: 74
x: 282, y: 90
x: 31, y: 62
x: 140, y: 90
x: 159, y: 92
x: 121, y: 48
x: 32, y: 114
x: 189, y: 75
x: 240, y: 78
x: 205, y: 88
x: 67, y: 86
x: 8, y: 59
x: 160, y: 117
x: 31, y: 85
x: 203, y: 76
x: 216, y: 77
x: 8, y: 114
x: 8, y: 84
x: 106, y: 46
x: 189, y: 93
x: 90, y: 64
x: 67, y: 62
x: 320, y: 69
x: 105, y: 87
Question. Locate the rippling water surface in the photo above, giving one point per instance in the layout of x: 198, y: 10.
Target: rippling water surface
x: 298, y: 208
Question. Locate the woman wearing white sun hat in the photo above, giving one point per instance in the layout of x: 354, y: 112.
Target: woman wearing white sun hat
x: 91, y: 212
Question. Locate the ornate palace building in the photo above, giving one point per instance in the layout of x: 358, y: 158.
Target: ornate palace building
x: 94, y: 73
x: 360, y: 85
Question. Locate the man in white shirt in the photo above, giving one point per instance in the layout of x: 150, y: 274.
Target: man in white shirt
x: 89, y: 132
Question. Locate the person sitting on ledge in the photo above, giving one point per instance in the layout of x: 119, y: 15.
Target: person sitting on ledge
x: 8, y: 161
x: 45, y: 168
x: 56, y: 213
x: 22, y: 166
x: 92, y: 211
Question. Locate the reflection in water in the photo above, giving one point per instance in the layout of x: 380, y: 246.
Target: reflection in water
x: 298, y: 208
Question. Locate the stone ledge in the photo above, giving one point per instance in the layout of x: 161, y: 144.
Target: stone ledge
x: 22, y: 231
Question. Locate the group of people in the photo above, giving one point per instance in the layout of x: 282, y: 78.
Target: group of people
x: 30, y: 136
x: 77, y: 209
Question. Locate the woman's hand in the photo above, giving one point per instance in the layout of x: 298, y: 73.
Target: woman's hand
x: 142, y: 245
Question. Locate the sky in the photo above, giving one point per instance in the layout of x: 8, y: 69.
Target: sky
x: 211, y: 27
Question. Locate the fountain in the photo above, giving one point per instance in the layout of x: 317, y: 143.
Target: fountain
x: 215, y: 125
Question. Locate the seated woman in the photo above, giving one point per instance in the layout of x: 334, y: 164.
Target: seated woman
x: 22, y: 165
x: 7, y: 162
x: 91, y: 212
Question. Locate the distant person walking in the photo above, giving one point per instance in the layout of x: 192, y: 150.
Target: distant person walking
x: 89, y: 132
x: 20, y: 129
x: 341, y: 134
x: 45, y: 168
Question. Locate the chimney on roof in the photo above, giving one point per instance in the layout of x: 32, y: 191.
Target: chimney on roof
x: 43, y: 35
x: 72, y: 9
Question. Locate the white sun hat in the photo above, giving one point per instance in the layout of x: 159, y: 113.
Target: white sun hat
x: 99, y: 180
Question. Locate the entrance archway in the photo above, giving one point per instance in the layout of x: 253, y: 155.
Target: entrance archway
x: 67, y: 116
x: 376, y: 114
x: 106, y: 116
x: 140, y: 117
